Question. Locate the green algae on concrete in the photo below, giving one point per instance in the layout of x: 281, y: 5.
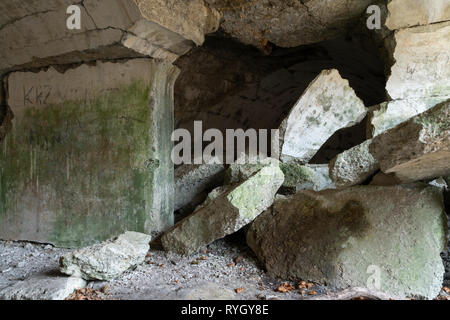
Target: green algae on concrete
x: 79, y: 172
x: 226, y: 211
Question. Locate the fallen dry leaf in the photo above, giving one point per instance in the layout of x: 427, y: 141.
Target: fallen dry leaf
x: 230, y: 265
x: 239, y: 290
x: 285, y: 287
x: 312, y: 293
x: 309, y: 285
x: 446, y: 290
x: 302, y: 285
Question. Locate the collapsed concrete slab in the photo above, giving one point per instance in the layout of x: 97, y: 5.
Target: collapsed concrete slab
x: 35, y: 34
x: 421, y: 62
x: 389, y: 114
x: 245, y: 167
x: 226, y: 212
x: 107, y: 260
x: 192, y: 180
x: 88, y: 156
x: 418, y: 148
x: 353, y: 166
x: 42, y: 287
x: 306, y: 177
x: 384, y: 238
x: 408, y: 13
x: 327, y: 105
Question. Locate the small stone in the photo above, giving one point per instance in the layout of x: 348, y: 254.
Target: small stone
x: 107, y: 260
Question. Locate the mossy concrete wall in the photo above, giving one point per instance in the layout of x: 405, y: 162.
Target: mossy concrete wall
x: 88, y: 156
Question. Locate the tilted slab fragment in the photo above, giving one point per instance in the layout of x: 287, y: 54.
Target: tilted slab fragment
x: 418, y: 148
x: 421, y: 62
x: 353, y: 166
x: 387, y: 115
x: 88, y: 156
x: 307, y: 177
x: 40, y: 32
x: 327, y: 105
x: 42, y: 287
x: 408, y: 13
x: 225, y: 213
x: 108, y: 260
x: 192, y: 180
x: 345, y: 237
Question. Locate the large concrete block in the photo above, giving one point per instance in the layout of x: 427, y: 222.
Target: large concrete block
x: 88, y: 156
x: 387, y: 238
x: 418, y: 148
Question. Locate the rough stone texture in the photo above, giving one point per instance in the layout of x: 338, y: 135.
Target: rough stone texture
x: 389, y: 114
x: 42, y: 287
x: 383, y: 179
x: 287, y: 23
x: 306, y: 177
x: 418, y: 148
x: 327, y: 105
x: 226, y: 213
x: 107, y: 260
x: 32, y: 34
x: 408, y: 13
x: 89, y: 154
x: 336, y: 237
x: 193, y: 180
x: 353, y: 166
x: 192, y: 19
x: 245, y: 166
x: 421, y: 62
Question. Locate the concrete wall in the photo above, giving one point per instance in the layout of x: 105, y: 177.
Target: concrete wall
x: 89, y: 153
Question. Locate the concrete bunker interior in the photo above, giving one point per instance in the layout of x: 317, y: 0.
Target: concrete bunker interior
x: 360, y: 184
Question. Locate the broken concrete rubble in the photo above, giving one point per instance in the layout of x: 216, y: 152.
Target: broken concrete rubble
x: 353, y: 166
x: 107, y: 260
x: 88, y: 156
x: 226, y: 212
x: 42, y: 287
x: 418, y: 148
x: 409, y: 13
x: 327, y: 105
x: 245, y: 167
x: 192, y: 180
x: 387, y: 237
x: 389, y: 114
x: 306, y: 177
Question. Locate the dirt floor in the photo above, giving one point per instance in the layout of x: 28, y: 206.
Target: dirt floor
x: 227, y: 269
